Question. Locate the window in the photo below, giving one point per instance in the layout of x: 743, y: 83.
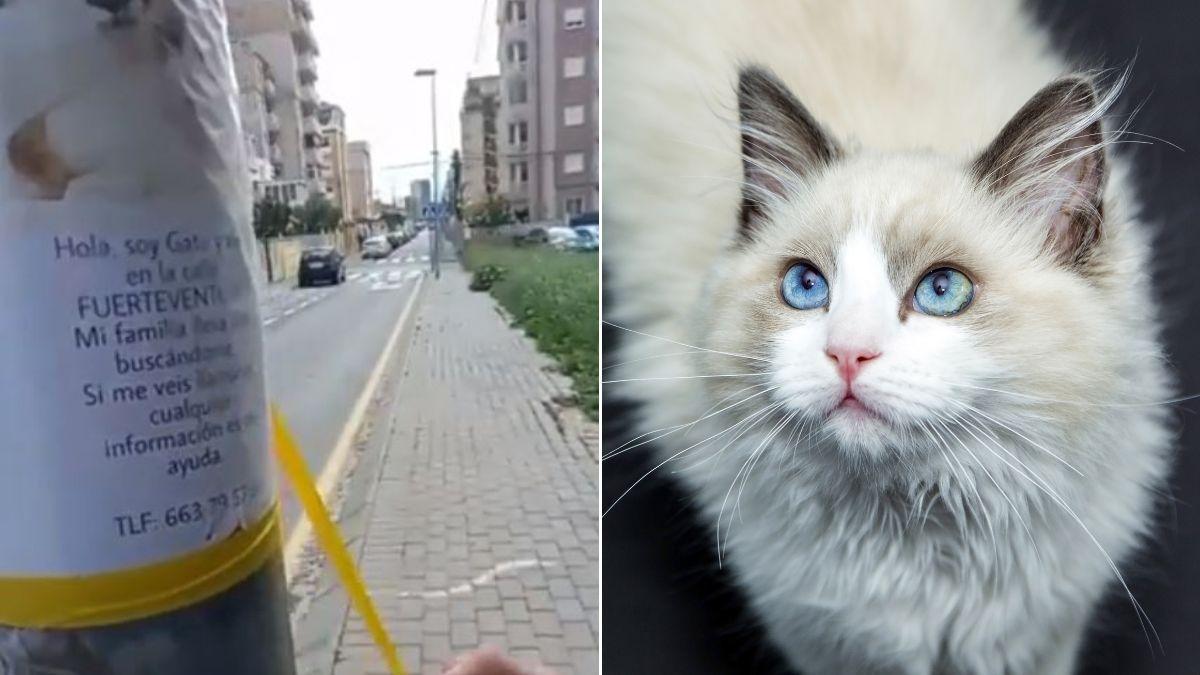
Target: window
x: 517, y: 51
x: 572, y: 115
x: 518, y: 132
x: 573, y: 18
x: 518, y: 91
x: 518, y: 172
x: 573, y: 66
x: 574, y: 206
x: 515, y: 10
x: 573, y: 163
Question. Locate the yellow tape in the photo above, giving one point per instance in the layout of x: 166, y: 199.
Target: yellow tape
x: 296, y: 470
x: 139, y: 592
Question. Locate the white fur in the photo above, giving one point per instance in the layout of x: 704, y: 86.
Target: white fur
x: 952, y: 531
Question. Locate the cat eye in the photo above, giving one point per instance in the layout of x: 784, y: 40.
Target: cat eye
x: 943, y: 292
x: 804, y: 287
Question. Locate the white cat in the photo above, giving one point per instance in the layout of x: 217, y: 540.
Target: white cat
x: 896, y: 329
x: 116, y: 102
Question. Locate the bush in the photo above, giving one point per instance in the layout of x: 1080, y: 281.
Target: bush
x: 555, y: 297
x: 486, y: 276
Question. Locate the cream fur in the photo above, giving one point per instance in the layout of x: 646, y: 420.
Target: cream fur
x: 905, y: 546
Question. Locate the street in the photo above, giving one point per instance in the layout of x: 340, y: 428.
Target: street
x: 322, y: 346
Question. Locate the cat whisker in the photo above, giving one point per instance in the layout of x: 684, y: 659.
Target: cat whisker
x: 1041, y: 484
x: 749, y: 460
x: 681, y: 377
x: 683, y: 344
x: 651, y: 358
x: 1016, y: 511
x: 1013, y: 430
x: 625, y: 447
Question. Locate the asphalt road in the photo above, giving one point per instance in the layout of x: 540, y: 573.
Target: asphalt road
x: 323, y: 343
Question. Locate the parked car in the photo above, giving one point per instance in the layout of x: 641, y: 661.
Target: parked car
x: 536, y: 236
x: 589, y: 218
x: 375, y: 248
x: 560, y: 237
x: 586, y: 239
x: 321, y: 264
x: 397, y: 238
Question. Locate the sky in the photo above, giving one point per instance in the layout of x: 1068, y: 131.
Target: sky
x: 369, y: 50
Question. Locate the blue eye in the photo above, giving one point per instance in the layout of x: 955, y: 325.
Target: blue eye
x: 804, y: 288
x: 943, y: 292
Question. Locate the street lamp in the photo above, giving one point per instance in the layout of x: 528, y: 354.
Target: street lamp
x: 436, y: 243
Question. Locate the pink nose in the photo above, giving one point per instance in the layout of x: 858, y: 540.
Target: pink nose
x: 850, y: 360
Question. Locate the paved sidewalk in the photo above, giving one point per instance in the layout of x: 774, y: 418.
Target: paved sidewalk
x: 484, y: 524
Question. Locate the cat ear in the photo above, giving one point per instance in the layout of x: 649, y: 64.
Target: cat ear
x: 781, y: 142
x: 1050, y: 159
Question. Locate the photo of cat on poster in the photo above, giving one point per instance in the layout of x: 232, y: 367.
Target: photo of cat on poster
x: 64, y: 127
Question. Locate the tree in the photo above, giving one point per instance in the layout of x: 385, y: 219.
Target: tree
x: 454, y: 186
x: 318, y: 215
x: 271, y: 218
x: 489, y: 212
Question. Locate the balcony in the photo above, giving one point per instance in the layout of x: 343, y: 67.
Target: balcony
x: 303, y: 8
x: 303, y: 37
x: 308, y: 67
x: 311, y: 126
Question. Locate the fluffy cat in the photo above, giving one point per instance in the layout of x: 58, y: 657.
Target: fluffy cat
x: 72, y: 72
x: 891, y: 320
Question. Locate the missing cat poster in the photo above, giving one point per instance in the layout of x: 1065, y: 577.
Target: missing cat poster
x: 135, y: 477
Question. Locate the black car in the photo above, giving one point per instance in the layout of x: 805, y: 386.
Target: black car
x: 322, y: 264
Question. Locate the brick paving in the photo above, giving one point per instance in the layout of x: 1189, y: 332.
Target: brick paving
x: 484, y: 524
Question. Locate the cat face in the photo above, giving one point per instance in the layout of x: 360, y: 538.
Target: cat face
x: 892, y: 303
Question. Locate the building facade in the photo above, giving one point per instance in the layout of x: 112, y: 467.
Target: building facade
x: 480, y: 161
x: 256, y: 106
x: 360, y: 190
x: 421, y: 195
x: 280, y: 32
x: 548, y: 124
x: 334, y: 162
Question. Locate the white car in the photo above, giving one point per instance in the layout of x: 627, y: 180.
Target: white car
x: 560, y: 237
x: 376, y: 247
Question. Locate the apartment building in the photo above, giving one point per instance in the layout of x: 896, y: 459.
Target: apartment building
x: 480, y: 161
x: 280, y: 32
x: 548, y: 124
x: 256, y: 105
x: 360, y: 190
x: 421, y: 193
x: 335, y: 169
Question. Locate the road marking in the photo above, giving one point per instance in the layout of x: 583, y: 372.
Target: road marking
x: 268, y: 322
x: 331, y: 473
x: 289, y: 312
x: 485, y: 579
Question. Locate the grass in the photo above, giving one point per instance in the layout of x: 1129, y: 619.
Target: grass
x: 555, y: 297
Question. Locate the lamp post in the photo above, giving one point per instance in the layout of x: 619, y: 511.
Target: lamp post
x: 436, y: 243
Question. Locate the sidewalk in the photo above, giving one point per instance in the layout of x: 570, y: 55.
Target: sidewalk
x: 483, y: 527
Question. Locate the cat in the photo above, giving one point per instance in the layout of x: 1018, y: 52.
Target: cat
x: 889, y: 319
x: 73, y: 73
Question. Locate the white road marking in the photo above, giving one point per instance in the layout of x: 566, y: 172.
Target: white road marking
x: 332, y: 472
x: 485, y: 579
x: 268, y: 322
x: 289, y: 312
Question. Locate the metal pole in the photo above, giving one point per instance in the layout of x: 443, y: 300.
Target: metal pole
x: 437, y: 217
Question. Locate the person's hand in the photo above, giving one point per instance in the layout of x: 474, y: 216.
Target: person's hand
x: 489, y: 660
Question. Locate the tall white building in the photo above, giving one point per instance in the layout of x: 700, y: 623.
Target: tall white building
x: 335, y: 176
x: 360, y: 190
x: 480, y: 161
x: 280, y: 32
x: 256, y: 105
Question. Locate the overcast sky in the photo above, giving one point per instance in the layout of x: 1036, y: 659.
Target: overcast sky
x: 369, y: 50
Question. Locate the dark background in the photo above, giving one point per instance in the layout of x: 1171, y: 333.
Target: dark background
x: 669, y: 609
